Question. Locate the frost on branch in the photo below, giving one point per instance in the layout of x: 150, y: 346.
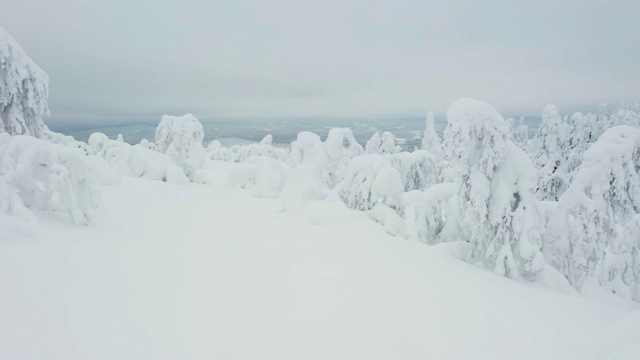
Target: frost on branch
x: 24, y: 89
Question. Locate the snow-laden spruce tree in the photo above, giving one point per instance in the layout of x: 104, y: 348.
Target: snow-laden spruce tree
x: 24, y: 89
x: 593, y: 237
x: 181, y: 137
x: 495, y: 208
x: 431, y: 140
x: 549, y: 155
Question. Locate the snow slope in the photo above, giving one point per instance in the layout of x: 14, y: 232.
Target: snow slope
x: 199, y: 272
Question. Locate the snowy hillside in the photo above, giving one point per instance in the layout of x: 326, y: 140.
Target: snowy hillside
x: 482, y: 244
x: 202, y: 272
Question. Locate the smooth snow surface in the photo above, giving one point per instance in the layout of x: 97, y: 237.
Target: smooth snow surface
x: 200, y: 272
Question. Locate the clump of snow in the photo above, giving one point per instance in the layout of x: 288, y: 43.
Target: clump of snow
x: 24, y: 89
x: 49, y: 177
x: 181, y: 137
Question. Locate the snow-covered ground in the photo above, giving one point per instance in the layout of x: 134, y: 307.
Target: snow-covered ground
x: 200, y: 272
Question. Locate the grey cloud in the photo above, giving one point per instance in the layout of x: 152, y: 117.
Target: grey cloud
x: 112, y: 59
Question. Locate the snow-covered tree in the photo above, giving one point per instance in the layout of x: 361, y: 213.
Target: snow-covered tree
x: 521, y: 136
x: 593, y: 237
x: 495, y: 208
x: 181, y: 137
x: 548, y: 155
x: 431, y: 140
x: 374, y: 143
x: 583, y: 132
x: 24, y: 89
x: 384, y: 143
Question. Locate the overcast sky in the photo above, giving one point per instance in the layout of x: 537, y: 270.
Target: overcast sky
x: 122, y: 59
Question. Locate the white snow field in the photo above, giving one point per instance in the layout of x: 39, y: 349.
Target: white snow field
x: 200, y: 272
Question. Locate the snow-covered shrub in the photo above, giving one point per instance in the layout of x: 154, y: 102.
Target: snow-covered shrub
x: 418, y: 169
x: 425, y: 211
x: 136, y: 160
x: 269, y: 178
x: 548, y: 155
x: 215, y: 151
x: 371, y: 180
x: 181, y: 137
x: 68, y: 141
x: 382, y: 144
x: 306, y: 148
x: 24, y: 89
x: 317, y: 167
x: 495, y: 208
x: 50, y: 177
x: 263, y: 149
x: 431, y: 140
x: 594, y: 237
x: 339, y: 148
